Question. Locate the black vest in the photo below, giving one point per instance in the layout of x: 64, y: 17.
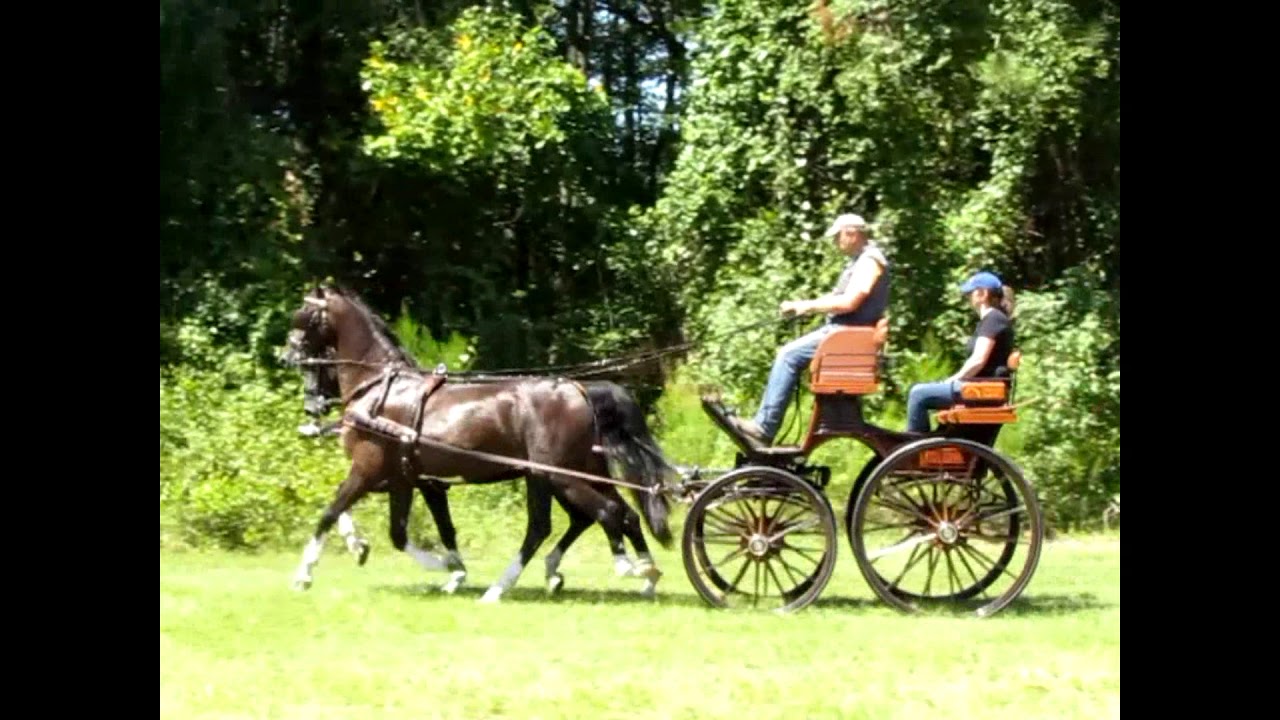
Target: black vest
x: 875, y: 305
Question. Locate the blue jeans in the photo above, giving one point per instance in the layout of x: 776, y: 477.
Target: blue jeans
x: 790, y: 361
x: 923, y: 397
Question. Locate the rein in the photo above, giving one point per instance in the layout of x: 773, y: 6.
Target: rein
x: 394, y: 370
x: 378, y: 425
x: 579, y: 370
x: 621, y: 362
x: 408, y: 436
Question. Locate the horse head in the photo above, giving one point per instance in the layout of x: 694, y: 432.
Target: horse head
x: 310, y: 332
x: 311, y: 348
x: 338, y: 342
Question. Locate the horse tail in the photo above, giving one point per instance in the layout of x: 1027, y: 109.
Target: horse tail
x: 628, y: 442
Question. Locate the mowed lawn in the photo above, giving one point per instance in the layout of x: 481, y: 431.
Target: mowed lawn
x: 379, y: 642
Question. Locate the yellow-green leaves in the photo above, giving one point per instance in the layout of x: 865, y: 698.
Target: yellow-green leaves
x: 494, y: 97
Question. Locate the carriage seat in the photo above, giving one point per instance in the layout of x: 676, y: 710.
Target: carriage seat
x: 985, y: 401
x: 847, y: 361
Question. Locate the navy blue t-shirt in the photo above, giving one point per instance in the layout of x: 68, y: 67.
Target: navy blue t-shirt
x: 997, y: 326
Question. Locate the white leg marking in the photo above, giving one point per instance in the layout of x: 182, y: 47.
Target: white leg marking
x: 648, y: 570
x: 650, y: 588
x: 430, y: 561
x: 310, y: 556
x: 346, y: 525
x: 505, y: 582
x: 347, y: 529
x: 455, y: 581
x: 622, y: 565
x: 453, y: 561
x: 554, y: 579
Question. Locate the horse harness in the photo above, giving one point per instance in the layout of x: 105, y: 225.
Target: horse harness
x: 411, y: 436
x: 387, y: 378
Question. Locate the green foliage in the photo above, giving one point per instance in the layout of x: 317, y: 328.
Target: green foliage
x: 489, y: 103
x: 504, y: 177
x: 486, y: 107
x: 930, y: 117
x: 456, y: 352
x: 948, y: 124
x: 233, y: 470
x: 235, y: 473
x: 246, y: 323
x: 1070, y: 435
x: 235, y: 202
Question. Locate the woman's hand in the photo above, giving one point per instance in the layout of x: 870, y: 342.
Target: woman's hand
x: 981, y: 352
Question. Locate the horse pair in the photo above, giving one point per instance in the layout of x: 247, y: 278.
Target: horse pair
x: 347, y: 352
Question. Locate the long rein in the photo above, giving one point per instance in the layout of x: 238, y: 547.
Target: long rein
x: 412, y: 436
x: 579, y: 370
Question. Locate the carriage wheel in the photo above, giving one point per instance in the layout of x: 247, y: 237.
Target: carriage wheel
x: 760, y: 537
x: 988, y: 578
x: 949, y: 521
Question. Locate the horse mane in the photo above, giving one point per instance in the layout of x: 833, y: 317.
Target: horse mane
x: 394, y: 344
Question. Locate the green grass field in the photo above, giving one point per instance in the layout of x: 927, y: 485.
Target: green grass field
x: 380, y: 642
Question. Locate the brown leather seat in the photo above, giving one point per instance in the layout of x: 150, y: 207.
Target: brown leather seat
x: 848, y: 361
x: 985, y: 401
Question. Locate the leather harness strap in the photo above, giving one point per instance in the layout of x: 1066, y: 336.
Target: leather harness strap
x: 430, y: 384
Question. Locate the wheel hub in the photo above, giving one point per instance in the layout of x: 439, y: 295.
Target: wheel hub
x: 948, y: 533
x: 758, y: 545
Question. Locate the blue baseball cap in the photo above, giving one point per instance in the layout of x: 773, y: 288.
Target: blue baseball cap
x: 981, y: 280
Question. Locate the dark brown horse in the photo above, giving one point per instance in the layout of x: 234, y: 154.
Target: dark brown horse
x: 552, y: 422
x: 322, y: 392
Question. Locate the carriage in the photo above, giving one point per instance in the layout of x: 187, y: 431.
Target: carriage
x: 933, y: 519
x: 946, y: 501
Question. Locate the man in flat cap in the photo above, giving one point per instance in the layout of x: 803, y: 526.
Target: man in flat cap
x: 860, y: 298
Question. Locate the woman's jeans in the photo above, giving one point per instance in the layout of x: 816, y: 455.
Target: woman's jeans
x: 790, y: 361
x: 923, y: 397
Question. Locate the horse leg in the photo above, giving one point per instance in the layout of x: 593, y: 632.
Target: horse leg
x: 538, y: 503
x: 645, y: 567
x: 578, y: 523
x: 356, y: 545
x: 400, y: 495
x: 437, y: 498
x: 609, y: 513
x: 351, y: 490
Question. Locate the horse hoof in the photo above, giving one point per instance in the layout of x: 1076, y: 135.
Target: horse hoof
x: 492, y: 595
x: 302, y: 584
x: 555, y: 583
x: 455, y: 581
x: 363, y: 553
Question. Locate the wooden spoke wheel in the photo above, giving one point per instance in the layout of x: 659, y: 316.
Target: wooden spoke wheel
x: 991, y: 576
x: 946, y: 521
x: 760, y: 537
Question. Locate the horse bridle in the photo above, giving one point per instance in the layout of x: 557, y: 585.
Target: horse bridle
x: 299, y: 354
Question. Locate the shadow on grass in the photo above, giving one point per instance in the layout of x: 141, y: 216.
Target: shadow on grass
x: 837, y: 602
x: 1027, y: 605
x: 535, y: 595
